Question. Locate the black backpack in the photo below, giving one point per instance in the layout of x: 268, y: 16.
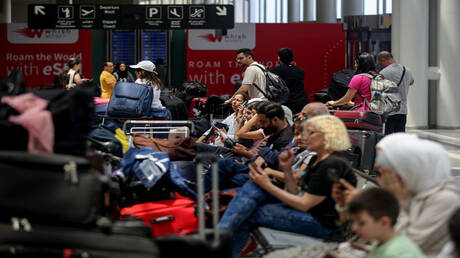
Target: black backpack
x: 178, y: 108
x: 338, y: 85
x: 276, y: 89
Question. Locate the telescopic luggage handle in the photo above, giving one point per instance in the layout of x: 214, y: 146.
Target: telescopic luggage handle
x: 200, y: 159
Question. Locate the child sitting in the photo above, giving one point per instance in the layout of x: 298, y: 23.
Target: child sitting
x: 374, y: 212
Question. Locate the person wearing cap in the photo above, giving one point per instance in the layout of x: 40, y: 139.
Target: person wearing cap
x: 107, y: 80
x: 73, y: 75
x: 146, y: 74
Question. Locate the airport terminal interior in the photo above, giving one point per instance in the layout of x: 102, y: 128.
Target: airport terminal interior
x: 195, y: 41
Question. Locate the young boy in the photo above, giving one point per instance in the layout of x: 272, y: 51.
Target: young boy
x: 374, y: 213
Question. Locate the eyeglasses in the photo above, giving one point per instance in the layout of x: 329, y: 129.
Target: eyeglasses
x: 309, y: 133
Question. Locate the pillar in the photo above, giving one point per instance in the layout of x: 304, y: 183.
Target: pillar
x: 409, y: 44
x: 326, y: 11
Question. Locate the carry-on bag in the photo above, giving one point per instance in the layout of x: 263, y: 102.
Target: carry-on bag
x: 50, y: 188
x: 206, y: 242
x: 21, y: 238
x: 130, y: 100
x: 360, y: 119
x: 176, y: 216
x: 364, y: 142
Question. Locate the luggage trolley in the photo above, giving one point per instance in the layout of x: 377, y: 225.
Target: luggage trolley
x: 157, y: 129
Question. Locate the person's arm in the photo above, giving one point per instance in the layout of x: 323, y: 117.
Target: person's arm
x: 275, y: 173
x: 77, y: 79
x: 239, y: 122
x: 110, y: 80
x: 286, y: 158
x: 343, y: 100
x: 411, y: 82
x: 243, y: 89
x: 201, y: 139
x: 301, y: 203
x: 245, y: 133
x: 243, y: 151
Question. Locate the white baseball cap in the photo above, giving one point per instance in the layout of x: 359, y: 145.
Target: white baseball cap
x: 145, y: 65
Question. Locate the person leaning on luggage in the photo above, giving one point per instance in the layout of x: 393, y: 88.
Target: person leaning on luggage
x: 364, y: 63
x: 146, y: 74
x: 107, y: 80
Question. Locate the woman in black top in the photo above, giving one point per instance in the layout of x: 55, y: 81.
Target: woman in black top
x: 305, y: 208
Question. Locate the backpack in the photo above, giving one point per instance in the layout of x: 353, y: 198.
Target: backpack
x: 130, y: 100
x: 385, y: 96
x: 338, y: 86
x: 276, y: 89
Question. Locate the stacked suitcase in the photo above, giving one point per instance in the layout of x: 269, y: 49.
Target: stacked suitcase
x: 365, y: 130
x: 178, y: 230
x: 54, y: 206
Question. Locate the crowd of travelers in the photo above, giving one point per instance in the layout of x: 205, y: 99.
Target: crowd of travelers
x: 289, y: 166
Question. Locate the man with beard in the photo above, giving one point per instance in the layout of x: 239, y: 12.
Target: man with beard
x: 271, y: 118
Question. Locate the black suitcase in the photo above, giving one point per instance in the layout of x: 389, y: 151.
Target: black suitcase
x: 206, y: 243
x: 50, y: 188
x: 364, y: 142
x: 178, y: 108
x: 120, y: 240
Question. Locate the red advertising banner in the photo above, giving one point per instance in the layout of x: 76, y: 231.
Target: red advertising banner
x: 319, y: 49
x: 42, y: 53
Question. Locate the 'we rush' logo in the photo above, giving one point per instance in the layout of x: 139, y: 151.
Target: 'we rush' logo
x: 211, y: 38
x: 30, y: 33
x: 19, y: 33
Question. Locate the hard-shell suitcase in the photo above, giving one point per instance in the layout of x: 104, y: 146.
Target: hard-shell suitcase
x: 364, y: 142
x: 206, y: 242
x: 360, y: 119
x: 175, y: 216
x: 20, y: 238
x: 50, y: 188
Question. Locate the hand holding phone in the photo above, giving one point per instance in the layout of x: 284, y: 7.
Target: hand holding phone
x: 332, y: 174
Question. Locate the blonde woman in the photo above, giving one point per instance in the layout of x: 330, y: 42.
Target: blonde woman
x: 305, y: 207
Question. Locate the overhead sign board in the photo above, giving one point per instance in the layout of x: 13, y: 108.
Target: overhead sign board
x: 61, y: 16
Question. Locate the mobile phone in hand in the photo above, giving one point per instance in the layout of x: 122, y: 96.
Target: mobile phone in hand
x: 332, y: 174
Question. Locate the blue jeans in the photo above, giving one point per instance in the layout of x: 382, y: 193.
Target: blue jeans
x: 253, y: 206
x: 231, y: 174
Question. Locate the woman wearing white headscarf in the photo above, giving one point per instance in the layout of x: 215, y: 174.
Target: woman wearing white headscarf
x: 418, y: 173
